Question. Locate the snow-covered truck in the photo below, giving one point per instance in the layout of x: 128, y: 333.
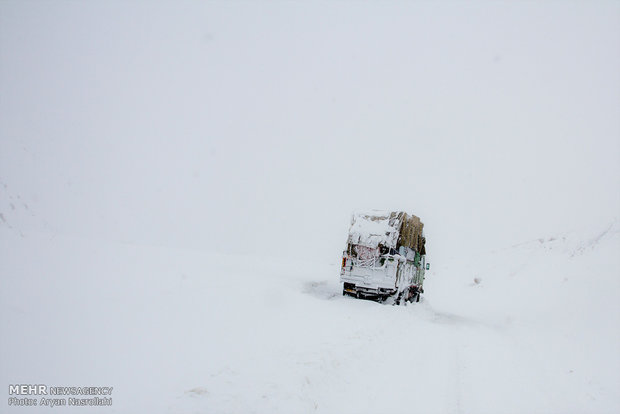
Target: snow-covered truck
x: 385, y: 256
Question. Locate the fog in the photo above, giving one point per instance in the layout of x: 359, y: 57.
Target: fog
x: 258, y: 127
x: 177, y: 181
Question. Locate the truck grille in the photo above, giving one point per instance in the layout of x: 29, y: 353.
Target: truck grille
x: 364, y: 262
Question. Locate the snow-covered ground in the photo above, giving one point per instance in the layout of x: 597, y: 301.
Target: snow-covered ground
x: 529, y: 328
x: 177, y: 179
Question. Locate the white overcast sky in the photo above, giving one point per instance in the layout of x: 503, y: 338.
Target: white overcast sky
x: 260, y: 126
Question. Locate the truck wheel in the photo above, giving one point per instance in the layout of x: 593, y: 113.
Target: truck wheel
x: 407, y: 295
x: 398, y: 298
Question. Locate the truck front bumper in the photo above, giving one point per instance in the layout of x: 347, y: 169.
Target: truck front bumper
x: 367, y: 292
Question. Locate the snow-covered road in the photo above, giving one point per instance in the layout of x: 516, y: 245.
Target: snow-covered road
x: 176, y: 331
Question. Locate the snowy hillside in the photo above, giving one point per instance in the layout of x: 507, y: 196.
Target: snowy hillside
x: 177, y: 180
x: 178, y: 331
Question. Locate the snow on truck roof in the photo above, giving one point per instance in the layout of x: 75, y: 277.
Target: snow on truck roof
x: 374, y: 227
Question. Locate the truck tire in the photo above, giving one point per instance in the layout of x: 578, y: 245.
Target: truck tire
x: 400, y: 296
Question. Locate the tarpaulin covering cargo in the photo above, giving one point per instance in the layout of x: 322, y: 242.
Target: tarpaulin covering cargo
x: 390, y: 229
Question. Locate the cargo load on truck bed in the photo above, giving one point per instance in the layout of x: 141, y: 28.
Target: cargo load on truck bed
x: 385, y: 256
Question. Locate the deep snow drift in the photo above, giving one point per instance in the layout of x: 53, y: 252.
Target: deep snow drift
x: 528, y: 328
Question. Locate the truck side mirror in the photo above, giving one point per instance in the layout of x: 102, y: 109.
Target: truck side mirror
x: 428, y: 266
